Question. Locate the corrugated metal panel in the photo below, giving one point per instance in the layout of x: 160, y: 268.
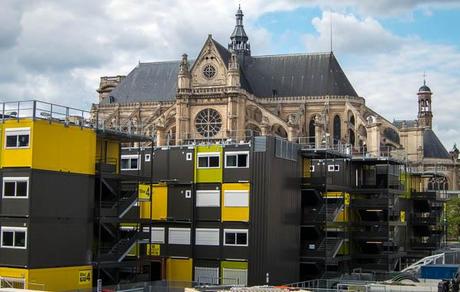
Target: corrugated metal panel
x: 207, y: 236
x: 260, y: 144
x: 179, y: 236
x: 234, y: 276
x: 207, y: 275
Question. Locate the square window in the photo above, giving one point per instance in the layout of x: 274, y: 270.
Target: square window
x: 241, y: 239
x: 330, y: 167
x: 188, y: 156
x: 336, y: 167
x: 133, y: 163
x: 230, y: 238
x: 21, y: 189
x: 242, y: 160
x: 124, y: 163
x: 202, y: 161
x: 214, y: 161
x: 20, y: 239
x: 23, y: 140
x: 231, y: 160
x: 7, y: 238
x: 9, y: 189
x: 11, y: 141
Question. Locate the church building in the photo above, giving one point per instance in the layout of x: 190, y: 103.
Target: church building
x: 227, y: 93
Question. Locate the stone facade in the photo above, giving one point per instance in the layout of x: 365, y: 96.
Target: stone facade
x: 212, y: 102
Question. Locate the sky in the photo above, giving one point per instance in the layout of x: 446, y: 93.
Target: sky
x: 56, y: 50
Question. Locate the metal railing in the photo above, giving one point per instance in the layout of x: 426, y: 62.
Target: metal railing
x: 41, y: 110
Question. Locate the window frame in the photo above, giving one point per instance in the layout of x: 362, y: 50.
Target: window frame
x: 232, y: 153
x: 236, y: 191
x: 17, y: 132
x: 208, y: 155
x: 147, y: 157
x: 130, y: 156
x: 236, y: 231
x: 15, y: 179
x: 214, y: 230
x: 14, y: 230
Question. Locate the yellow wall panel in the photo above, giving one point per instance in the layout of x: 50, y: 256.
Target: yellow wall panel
x: 53, y: 279
x: 17, y: 157
x: 234, y: 213
x: 159, y: 202
x: 209, y: 175
x: 60, y: 148
x: 179, y: 270
x: 61, y: 279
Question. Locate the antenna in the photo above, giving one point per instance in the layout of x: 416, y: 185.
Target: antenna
x: 424, y: 78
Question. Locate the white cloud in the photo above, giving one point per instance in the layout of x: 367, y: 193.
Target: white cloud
x: 387, y: 69
x: 57, y: 50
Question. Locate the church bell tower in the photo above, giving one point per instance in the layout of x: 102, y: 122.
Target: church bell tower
x: 239, y: 41
x: 425, y: 116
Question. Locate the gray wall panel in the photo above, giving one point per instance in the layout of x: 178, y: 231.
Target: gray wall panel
x: 11, y: 256
x: 179, y: 206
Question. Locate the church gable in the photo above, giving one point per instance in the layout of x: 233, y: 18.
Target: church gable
x: 210, y: 68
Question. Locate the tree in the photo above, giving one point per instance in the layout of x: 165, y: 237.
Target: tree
x: 453, y: 219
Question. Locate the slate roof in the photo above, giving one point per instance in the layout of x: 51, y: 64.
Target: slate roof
x: 408, y: 123
x: 263, y: 76
x: 296, y: 75
x: 148, y: 82
x: 432, y: 147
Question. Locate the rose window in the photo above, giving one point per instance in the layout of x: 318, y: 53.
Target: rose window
x: 209, y: 71
x: 208, y: 122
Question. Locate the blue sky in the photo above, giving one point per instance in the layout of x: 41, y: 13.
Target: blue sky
x: 57, y: 50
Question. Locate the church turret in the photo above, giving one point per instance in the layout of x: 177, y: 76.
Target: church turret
x: 183, y: 78
x: 425, y: 116
x: 239, y: 41
x: 233, y: 73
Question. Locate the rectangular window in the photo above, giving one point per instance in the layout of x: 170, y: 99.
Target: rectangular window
x: 207, y: 275
x: 236, y: 198
x: 236, y: 237
x: 179, y: 236
x: 14, y: 237
x: 336, y: 167
x: 207, y: 236
x: 208, y: 198
x: 147, y: 157
x: 15, y: 187
x: 237, y: 159
x: 17, y: 138
x: 158, y: 235
x: 208, y: 160
x: 130, y: 162
x: 330, y: 167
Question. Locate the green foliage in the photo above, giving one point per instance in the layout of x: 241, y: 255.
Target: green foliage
x: 453, y: 219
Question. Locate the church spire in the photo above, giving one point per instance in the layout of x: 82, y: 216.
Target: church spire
x: 239, y: 41
x: 425, y: 115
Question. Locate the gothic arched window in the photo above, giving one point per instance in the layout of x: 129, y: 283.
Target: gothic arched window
x: 337, y: 129
x: 311, y: 131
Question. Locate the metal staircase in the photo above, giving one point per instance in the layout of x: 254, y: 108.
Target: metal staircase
x: 330, y: 246
x: 121, y: 249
